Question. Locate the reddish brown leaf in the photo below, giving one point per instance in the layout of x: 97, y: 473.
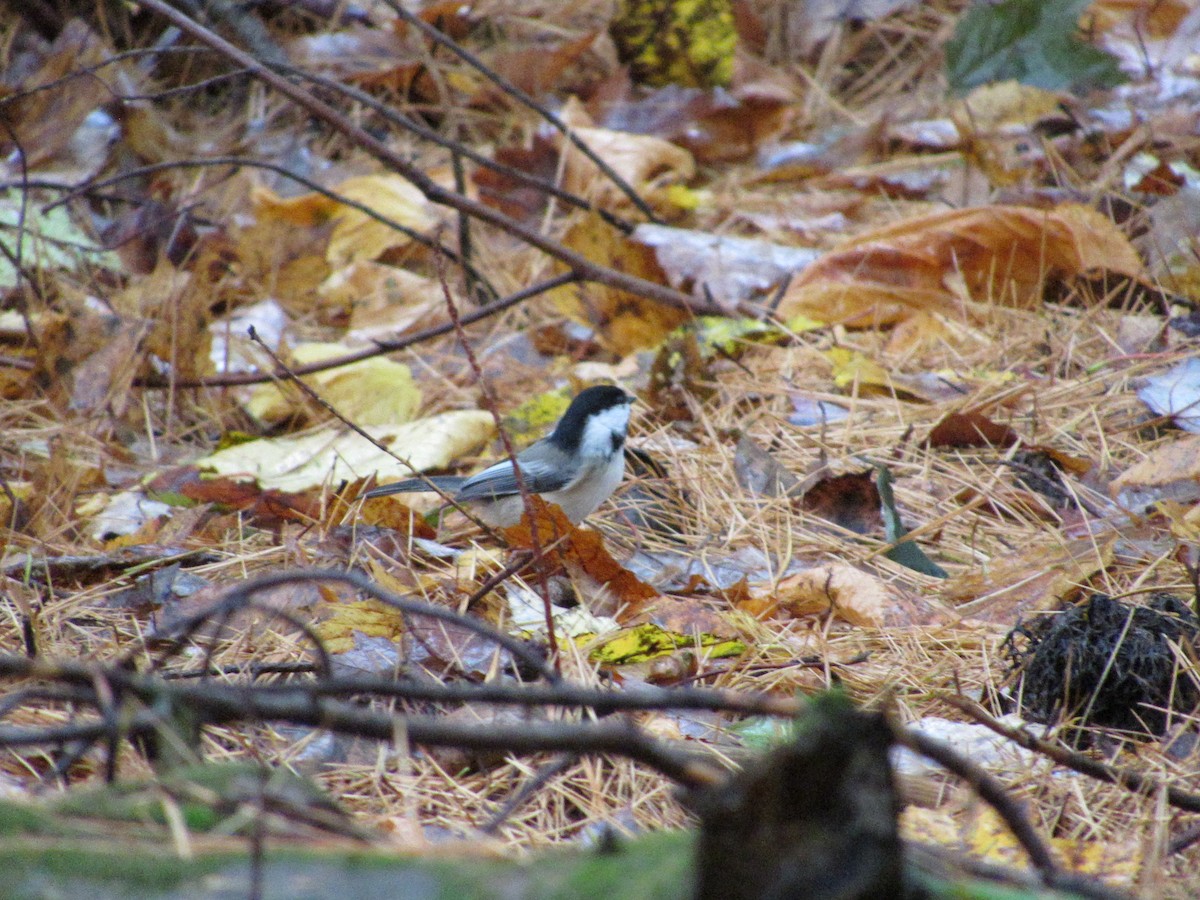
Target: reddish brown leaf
x: 851, y: 501
x: 970, y: 429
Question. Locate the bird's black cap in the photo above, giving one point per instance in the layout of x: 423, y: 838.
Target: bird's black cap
x: 588, y: 402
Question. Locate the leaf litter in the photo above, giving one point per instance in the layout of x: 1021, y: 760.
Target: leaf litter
x: 1002, y: 295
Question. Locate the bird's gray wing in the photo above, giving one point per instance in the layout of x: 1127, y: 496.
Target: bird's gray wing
x: 499, y: 480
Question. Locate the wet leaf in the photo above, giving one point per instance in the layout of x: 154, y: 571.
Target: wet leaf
x: 1175, y: 393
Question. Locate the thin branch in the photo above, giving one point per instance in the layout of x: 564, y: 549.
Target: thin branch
x: 239, y: 597
x: 215, y: 705
x: 518, y: 474
x: 248, y: 163
x: 231, y: 379
x: 391, y: 116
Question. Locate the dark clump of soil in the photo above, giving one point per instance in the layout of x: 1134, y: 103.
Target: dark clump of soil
x: 1105, y: 663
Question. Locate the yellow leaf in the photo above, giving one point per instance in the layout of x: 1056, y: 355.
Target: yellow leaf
x: 375, y: 391
x: 329, y: 456
x: 371, y: 617
x: 647, y: 641
x: 358, y: 236
x: 624, y: 322
x: 852, y: 368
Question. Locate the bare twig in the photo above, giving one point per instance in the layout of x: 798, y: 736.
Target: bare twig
x: 216, y: 704
x: 249, y: 163
x: 238, y: 378
x: 522, y: 487
x: 390, y: 115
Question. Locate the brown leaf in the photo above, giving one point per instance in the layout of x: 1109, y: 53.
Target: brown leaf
x: 970, y: 429
x: 512, y: 197
x: 850, y: 500
x: 1038, y: 578
x: 582, y: 552
x: 1001, y: 254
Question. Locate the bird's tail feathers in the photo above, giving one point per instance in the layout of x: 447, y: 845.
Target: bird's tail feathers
x: 446, y: 483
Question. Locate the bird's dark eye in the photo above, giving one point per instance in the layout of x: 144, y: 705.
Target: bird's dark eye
x: 617, y: 441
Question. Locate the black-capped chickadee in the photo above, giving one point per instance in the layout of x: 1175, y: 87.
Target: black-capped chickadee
x: 576, y: 466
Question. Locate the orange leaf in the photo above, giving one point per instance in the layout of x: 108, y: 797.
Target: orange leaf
x: 1000, y: 254
x: 581, y: 552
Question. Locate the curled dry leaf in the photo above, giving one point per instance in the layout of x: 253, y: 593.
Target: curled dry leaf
x: 999, y: 254
x: 639, y: 159
x: 852, y: 595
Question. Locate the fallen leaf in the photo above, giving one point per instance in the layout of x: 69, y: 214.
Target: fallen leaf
x: 582, y: 553
x: 368, y: 618
x: 624, y: 322
x: 330, y: 456
x: 382, y: 302
x: 851, y: 595
x: 1035, y: 579
x: 373, y: 391
x: 970, y: 428
x: 1175, y: 393
x: 1000, y: 254
x: 356, y: 236
x: 647, y: 641
x: 758, y: 472
x: 1170, y: 472
x: 731, y: 268
x: 640, y: 160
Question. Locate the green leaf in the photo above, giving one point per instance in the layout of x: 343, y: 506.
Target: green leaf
x: 1031, y: 41
x: 906, y: 553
